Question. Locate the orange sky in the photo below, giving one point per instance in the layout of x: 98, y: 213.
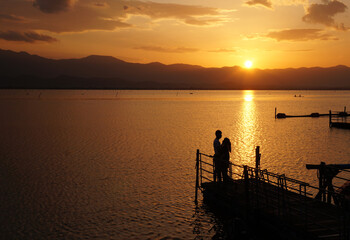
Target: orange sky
x: 270, y: 33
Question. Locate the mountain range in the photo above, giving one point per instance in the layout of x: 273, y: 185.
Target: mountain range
x: 26, y: 71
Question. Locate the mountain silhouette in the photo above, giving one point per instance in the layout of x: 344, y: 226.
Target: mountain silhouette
x: 23, y: 70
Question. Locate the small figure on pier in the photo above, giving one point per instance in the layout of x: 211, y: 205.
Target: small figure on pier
x: 217, y: 148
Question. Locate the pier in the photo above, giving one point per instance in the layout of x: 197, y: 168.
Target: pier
x: 312, y: 115
x: 276, y: 206
x: 339, y: 119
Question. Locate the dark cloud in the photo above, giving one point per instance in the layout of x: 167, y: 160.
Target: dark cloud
x: 324, y: 13
x: 53, y: 6
x: 265, y: 3
x: 189, y: 14
x: 11, y: 18
x: 29, y: 37
x: 300, y: 35
x: 85, y: 23
x: 106, y: 15
x: 167, y: 50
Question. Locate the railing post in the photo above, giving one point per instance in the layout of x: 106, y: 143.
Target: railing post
x: 257, y: 161
x: 246, y: 184
x: 306, y: 209
x: 197, y: 177
x: 322, y: 181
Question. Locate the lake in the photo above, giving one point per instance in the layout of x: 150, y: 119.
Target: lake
x: 120, y: 164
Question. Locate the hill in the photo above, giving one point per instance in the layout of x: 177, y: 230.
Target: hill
x: 23, y: 70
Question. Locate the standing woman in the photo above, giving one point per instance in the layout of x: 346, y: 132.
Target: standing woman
x: 225, y: 158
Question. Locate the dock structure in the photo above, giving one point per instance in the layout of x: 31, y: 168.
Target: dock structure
x: 339, y: 119
x: 343, y: 114
x: 279, y: 206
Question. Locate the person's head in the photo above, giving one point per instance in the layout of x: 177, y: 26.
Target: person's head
x: 218, y: 134
x: 227, y: 144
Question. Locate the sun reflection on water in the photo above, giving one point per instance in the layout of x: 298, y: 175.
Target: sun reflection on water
x: 247, y: 128
x: 248, y: 97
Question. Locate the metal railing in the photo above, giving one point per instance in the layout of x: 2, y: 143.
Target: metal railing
x: 284, y: 198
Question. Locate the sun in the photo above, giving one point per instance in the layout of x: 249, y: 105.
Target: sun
x: 248, y: 64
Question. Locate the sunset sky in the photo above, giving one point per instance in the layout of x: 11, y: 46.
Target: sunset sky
x: 270, y: 33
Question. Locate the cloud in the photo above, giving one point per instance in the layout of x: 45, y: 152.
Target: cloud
x: 29, y: 37
x: 12, y: 18
x: 181, y: 49
x: 265, y: 3
x: 189, y: 14
x: 102, y: 15
x: 324, y: 13
x: 100, y: 4
x: 300, y: 35
x: 84, y: 17
x: 84, y: 23
x: 167, y: 50
x: 298, y: 50
x: 222, y: 50
x: 202, y: 22
x: 53, y: 6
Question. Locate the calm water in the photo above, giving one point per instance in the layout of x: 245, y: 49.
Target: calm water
x: 120, y: 164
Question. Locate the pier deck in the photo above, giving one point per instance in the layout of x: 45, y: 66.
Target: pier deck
x: 282, y: 207
x: 299, y: 217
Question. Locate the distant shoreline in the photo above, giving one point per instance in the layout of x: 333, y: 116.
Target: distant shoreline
x: 179, y: 89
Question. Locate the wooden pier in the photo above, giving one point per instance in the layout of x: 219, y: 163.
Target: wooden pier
x: 312, y: 115
x: 276, y: 206
x: 339, y: 119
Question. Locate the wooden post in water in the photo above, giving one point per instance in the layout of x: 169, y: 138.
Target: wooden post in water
x: 197, y: 177
x: 275, y: 112
x: 330, y: 118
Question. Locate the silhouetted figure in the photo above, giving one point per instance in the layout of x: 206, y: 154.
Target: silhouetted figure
x: 217, y: 151
x: 224, y: 161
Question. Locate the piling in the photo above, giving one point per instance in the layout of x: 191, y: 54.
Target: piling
x: 275, y: 112
x: 197, y: 177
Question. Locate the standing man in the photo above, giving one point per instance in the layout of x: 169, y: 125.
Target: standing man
x: 216, y: 159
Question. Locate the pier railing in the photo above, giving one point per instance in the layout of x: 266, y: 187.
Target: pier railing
x: 285, y: 198
x: 338, y: 119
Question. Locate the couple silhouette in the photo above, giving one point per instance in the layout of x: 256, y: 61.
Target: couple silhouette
x: 221, y: 157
